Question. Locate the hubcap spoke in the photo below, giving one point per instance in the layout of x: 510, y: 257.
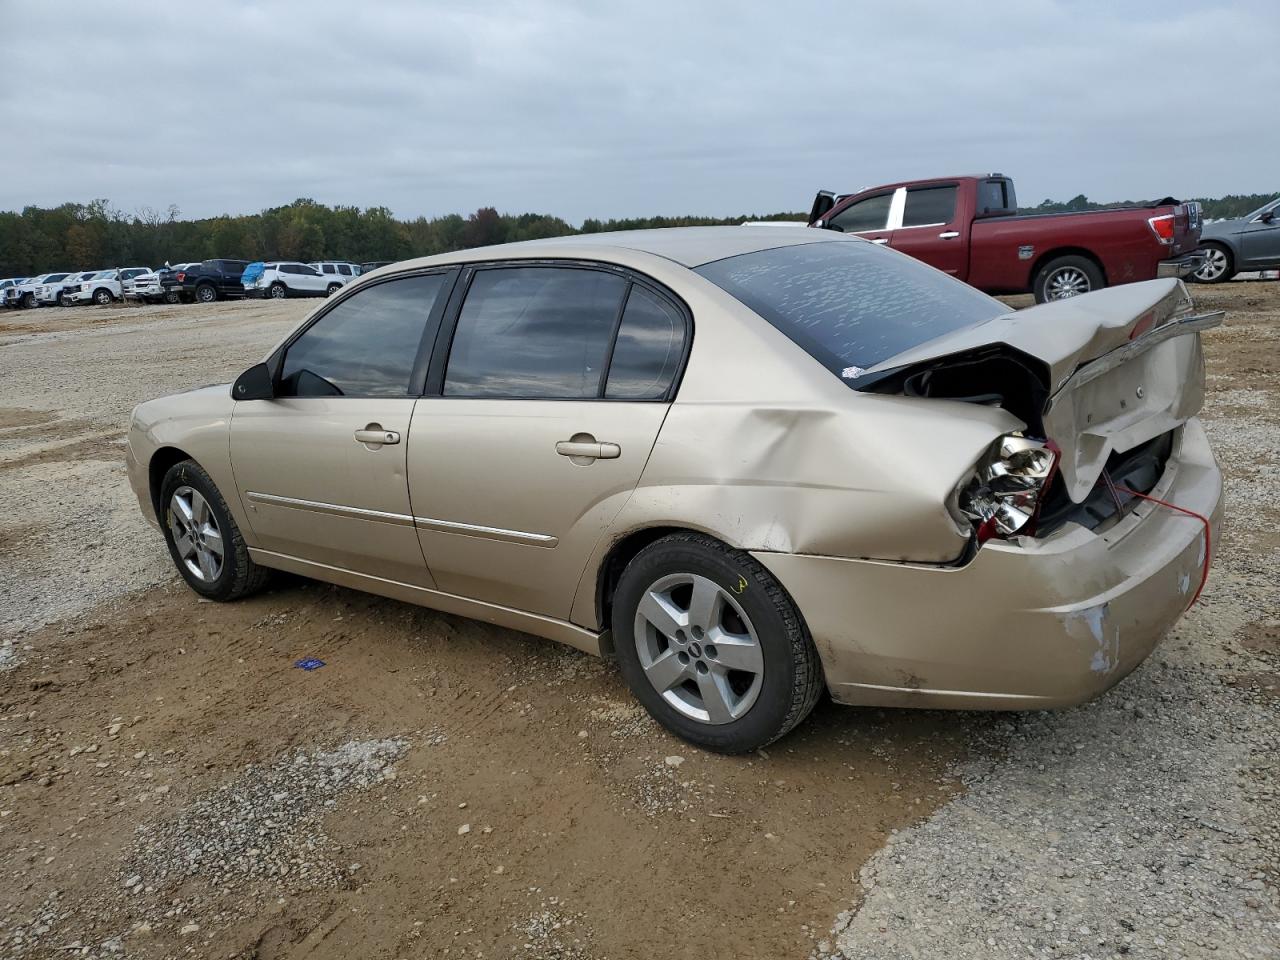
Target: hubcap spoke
x: 212, y: 540
x: 662, y: 613
x: 705, y: 605
x: 182, y: 509
x: 665, y: 672
x: 207, y: 565
x: 199, y: 509
x: 184, y: 545
x: 737, y: 652
x: 716, y: 696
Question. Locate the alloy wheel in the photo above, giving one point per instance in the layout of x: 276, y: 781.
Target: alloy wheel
x: 195, y: 534
x: 698, y: 649
x: 1215, y: 264
x: 1066, y: 282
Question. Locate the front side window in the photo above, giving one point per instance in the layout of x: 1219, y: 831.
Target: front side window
x: 869, y: 214
x: 647, y: 352
x: 850, y: 304
x: 534, y: 332
x: 366, y: 345
x: 929, y: 206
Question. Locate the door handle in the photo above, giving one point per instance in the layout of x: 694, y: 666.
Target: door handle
x: 588, y: 450
x: 880, y: 240
x: 374, y: 436
x: 948, y: 234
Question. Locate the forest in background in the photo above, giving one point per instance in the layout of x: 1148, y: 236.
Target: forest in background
x: 84, y: 236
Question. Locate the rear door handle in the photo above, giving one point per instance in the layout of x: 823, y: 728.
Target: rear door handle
x: 880, y: 240
x: 948, y: 234
x: 375, y: 436
x: 588, y: 450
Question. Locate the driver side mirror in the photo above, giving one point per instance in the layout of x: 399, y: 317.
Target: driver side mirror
x: 254, y: 384
x: 1268, y: 217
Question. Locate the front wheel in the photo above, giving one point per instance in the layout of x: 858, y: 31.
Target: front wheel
x: 172, y: 296
x: 102, y: 297
x: 29, y: 301
x: 204, y: 541
x: 712, y: 646
x: 333, y: 288
x: 1065, y: 277
x: 1218, y: 266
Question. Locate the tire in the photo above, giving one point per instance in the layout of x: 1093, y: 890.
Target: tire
x: 333, y: 288
x: 277, y: 291
x: 206, y: 293
x: 102, y: 297
x: 189, y: 500
x: 1068, y: 276
x: 745, y: 709
x: 63, y: 301
x: 172, y: 296
x: 1219, y: 267
x: 29, y: 301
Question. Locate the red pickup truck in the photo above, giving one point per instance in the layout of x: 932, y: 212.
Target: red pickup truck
x: 970, y: 227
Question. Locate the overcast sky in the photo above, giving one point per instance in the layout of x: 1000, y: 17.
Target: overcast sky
x: 628, y: 109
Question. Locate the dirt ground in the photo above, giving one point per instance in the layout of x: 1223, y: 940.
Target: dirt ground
x: 171, y: 784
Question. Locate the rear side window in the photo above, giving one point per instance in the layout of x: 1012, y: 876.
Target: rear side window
x: 869, y: 214
x: 929, y: 206
x: 534, y: 332
x: 328, y: 268
x: 850, y: 304
x: 344, y: 269
x: 647, y: 352
x: 366, y: 345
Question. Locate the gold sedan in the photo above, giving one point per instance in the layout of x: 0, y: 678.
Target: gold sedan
x: 749, y: 463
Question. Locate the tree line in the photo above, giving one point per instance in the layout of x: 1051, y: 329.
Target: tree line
x: 82, y: 236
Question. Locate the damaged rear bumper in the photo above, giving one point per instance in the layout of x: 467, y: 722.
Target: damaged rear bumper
x: 1024, y: 625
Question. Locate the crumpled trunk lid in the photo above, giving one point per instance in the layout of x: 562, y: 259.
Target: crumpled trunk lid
x: 1121, y: 366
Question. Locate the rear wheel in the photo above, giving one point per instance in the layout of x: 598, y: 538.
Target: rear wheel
x: 1218, y: 265
x: 277, y: 291
x: 712, y: 646
x: 1065, y: 277
x: 205, y: 293
x: 204, y: 541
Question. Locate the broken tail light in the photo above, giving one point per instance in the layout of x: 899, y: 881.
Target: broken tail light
x: 1003, y: 496
x: 1162, y: 227
x: 180, y: 277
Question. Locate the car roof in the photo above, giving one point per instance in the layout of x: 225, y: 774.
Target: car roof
x: 688, y: 246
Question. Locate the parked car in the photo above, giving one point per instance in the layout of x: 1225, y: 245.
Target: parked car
x: 104, y: 287
x: 970, y: 228
x: 206, y: 281
x: 26, y: 293
x: 57, y: 292
x: 9, y: 284
x: 1251, y: 242
x: 337, y: 274
x: 285, y: 278
x: 778, y: 442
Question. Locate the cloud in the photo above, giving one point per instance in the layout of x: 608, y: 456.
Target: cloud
x: 586, y: 109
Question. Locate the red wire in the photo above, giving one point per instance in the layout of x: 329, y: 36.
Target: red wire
x: 1208, y: 533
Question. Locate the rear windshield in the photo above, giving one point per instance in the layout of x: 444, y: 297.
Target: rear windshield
x: 850, y: 305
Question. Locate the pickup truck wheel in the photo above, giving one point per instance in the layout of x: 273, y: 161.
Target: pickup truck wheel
x: 28, y: 301
x: 1064, y: 277
x: 102, y: 297
x: 277, y: 291
x: 171, y: 296
x: 205, y: 293
x: 333, y: 288
x: 1218, y: 267
x: 63, y: 301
